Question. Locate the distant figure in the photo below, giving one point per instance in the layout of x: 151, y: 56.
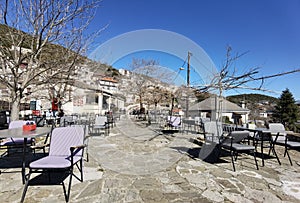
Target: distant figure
x: 61, y: 113
x: 237, y: 119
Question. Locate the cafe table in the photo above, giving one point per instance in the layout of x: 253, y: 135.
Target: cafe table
x: 262, y: 137
x: 20, y: 133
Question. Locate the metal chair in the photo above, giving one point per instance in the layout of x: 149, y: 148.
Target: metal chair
x: 213, y: 134
x: 280, y: 138
x: 66, y: 151
x: 101, y: 123
x: 233, y: 143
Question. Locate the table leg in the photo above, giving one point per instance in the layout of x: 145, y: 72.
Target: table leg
x: 24, y: 160
x: 262, y: 150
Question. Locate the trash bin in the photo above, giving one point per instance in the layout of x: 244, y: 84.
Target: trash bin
x: 3, y: 120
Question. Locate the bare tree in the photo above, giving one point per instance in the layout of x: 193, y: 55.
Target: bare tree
x: 142, y: 71
x: 147, y: 83
x: 40, y: 43
x: 156, y: 95
x: 229, y: 78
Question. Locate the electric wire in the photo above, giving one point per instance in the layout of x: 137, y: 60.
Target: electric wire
x: 179, y: 70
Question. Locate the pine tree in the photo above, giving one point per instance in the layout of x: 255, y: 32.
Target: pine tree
x: 286, y: 111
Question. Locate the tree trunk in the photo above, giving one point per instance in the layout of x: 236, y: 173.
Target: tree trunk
x: 149, y: 117
x: 15, y: 109
x: 172, y: 106
x: 155, y: 109
x: 141, y: 103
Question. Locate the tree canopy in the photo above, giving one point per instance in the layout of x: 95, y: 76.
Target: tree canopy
x: 286, y: 111
x: 41, y: 45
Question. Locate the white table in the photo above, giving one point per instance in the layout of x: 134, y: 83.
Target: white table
x: 19, y: 133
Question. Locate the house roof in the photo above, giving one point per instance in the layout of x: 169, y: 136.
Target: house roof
x: 109, y: 79
x: 210, y: 104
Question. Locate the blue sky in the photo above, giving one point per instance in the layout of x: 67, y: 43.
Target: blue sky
x: 268, y: 29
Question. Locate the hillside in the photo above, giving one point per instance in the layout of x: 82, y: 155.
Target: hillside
x: 252, y: 98
x: 51, y: 51
x: 256, y: 103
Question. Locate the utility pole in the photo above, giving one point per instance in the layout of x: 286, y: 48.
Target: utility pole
x: 188, y: 70
x: 188, y: 83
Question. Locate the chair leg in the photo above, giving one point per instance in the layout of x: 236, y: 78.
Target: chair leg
x: 287, y: 152
x: 81, y: 171
x: 25, y: 187
x: 274, y: 152
x: 87, y: 155
x: 236, y: 156
x: 254, y: 154
x: 65, y: 192
x: 69, y: 187
x: 232, y: 160
x: 271, y: 149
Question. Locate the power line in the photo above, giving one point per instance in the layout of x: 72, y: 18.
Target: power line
x: 206, y: 68
x: 180, y: 69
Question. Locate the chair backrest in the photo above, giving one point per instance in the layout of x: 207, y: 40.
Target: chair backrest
x: 277, y: 128
x: 197, y: 120
x: 204, y: 120
x: 65, y: 121
x: 63, y: 138
x: 189, y: 122
x: 100, y: 120
x: 228, y: 128
x: 16, y: 124
x: 174, y: 121
x: 214, y: 128
x: 237, y: 136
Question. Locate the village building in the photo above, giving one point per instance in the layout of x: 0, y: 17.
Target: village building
x: 214, y: 107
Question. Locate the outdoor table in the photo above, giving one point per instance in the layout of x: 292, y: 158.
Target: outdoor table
x: 19, y: 133
x: 293, y: 136
x: 262, y: 136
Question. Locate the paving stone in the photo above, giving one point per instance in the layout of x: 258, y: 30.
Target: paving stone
x: 172, y: 197
x: 146, y: 183
x: 132, y: 196
x: 220, y: 173
x: 261, y: 196
x: 225, y: 184
x: 92, y: 189
x: 214, y: 196
x: 235, y: 197
x: 152, y: 196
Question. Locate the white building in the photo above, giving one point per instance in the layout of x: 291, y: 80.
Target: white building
x: 214, y: 106
x: 95, y: 99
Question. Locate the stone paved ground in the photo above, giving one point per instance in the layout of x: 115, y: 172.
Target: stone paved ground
x: 136, y: 164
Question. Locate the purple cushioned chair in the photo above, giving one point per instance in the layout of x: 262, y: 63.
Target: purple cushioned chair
x: 65, y: 152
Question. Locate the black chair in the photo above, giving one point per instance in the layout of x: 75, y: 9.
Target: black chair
x: 264, y: 140
x: 233, y: 143
x: 281, y: 137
